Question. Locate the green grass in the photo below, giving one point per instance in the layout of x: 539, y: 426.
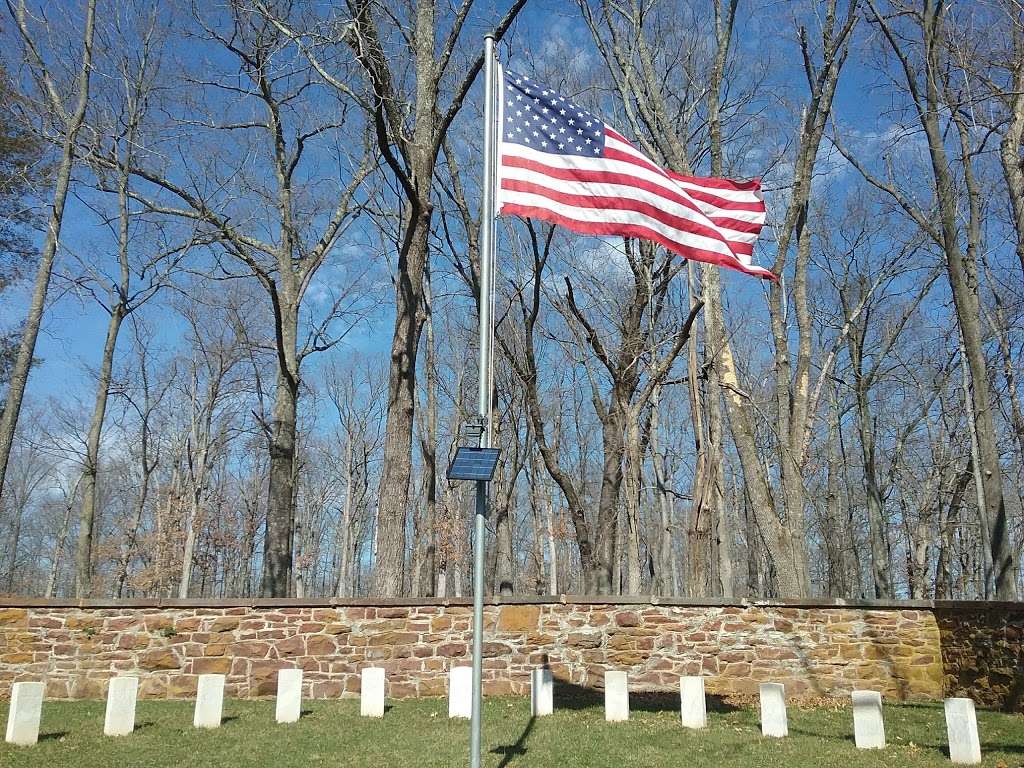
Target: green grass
x: 419, y: 733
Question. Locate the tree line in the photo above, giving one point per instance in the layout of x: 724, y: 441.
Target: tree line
x: 273, y: 205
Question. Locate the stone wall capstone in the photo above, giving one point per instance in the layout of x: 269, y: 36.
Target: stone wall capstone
x: 816, y: 650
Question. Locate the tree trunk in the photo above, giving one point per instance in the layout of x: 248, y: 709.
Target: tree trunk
x: 549, y: 523
x: 393, y: 494
x: 724, y: 542
x: 342, y: 584
x: 132, y: 536
x: 188, y: 551
x: 698, y: 547
x: 602, y: 578
x: 19, y: 515
x: 634, y: 470
x: 87, y: 512
x: 880, y: 564
x: 504, y: 565
x: 1010, y: 147
x: 713, y: 490
x: 58, y: 546
x: 668, y: 560
x: 277, y: 544
x: 778, y: 546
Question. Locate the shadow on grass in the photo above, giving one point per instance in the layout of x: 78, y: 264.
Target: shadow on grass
x: 987, y: 745
x: 510, y: 752
x: 577, y: 697
x: 572, y: 697
x: 54, y: 736
x: 822, y: 733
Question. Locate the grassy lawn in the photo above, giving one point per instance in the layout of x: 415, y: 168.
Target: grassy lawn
x: 419, y: 733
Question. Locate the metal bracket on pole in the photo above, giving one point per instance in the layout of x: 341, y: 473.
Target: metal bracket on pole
x: 473, y: 429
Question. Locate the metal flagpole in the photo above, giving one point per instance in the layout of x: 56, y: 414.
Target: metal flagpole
x: 484, y: 388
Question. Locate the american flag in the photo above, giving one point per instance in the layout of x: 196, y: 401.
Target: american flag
x: 560, y: 163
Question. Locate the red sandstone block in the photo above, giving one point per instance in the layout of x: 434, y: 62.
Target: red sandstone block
x: 270, y: 634
x: 292, y: 646
x: 219, y: 665
x: 628, y: 619
x: 249, y: 649
x: 321, y: 645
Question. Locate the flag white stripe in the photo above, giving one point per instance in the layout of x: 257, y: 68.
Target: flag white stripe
x: 600, y: 165
x: 607, y: 189
x: 734, y: 195
x: 753, y: 217
x: 619, y: 217
x: 619, y: 166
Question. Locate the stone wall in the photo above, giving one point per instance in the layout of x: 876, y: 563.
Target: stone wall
x: 983, y: 652
x: 816, y: 650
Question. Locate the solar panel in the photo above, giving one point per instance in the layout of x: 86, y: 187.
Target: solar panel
x: 473, y: 463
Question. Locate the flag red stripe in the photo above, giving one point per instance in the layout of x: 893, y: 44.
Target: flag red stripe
x: 728, y: 205
x: 683, y: 197
x: 736, y: 231
x: 754, y: 185
x: 612, y: 177
x: 736, y: 225
x: 603, y: 202
x: 704, y: 184
x: 633, y: 230
x: 604, y: 215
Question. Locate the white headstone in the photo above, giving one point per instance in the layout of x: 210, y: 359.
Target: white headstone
x: 23, y: 716
x: 868, y: 726
x: 371, y: 697
x: 773, y: 710
x: 460, y: 692
x: 692, y: 705
x: 121, y: 695
x: 542, y: 692
x: 289, y: 695
x: 962, y: 730
x: 616, y: 697
x: 209, y: 701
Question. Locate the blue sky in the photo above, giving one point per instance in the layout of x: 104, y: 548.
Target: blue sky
x: 74, y: 326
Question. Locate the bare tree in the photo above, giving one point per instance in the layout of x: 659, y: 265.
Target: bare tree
x: 385, y: 42
x: 144, y: 397
x: 916, y: 34
x: 279, y: 119
x: 67, y: 118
